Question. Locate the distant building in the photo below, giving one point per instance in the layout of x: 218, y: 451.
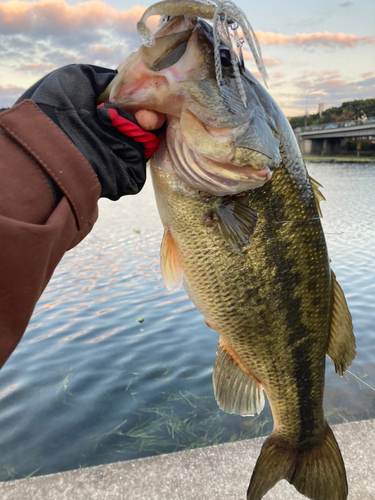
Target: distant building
x: 320, y: 108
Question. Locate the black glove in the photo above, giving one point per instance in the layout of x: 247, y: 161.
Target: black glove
x: 68, y: 96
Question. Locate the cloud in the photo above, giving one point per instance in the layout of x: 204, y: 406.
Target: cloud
x: 324, y: 79
x: 9, y: 94
x: 58, y: 19
x: 268, y: 61
x: 278, y: 75
x: 312, y: 39
x: 36, y: 68
x: 39, y: 36
x: 345, y: 4
x: 334, y: 87
x: 40, y: 31
x: 54, y: 17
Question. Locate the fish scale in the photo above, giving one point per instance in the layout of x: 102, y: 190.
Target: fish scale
x: 242, y: 232
x: 255, y: 301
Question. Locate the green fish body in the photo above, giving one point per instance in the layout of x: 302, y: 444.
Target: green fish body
x: 243, y: 235
x: 272, y: 301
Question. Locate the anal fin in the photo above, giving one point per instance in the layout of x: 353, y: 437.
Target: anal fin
x: 169, y: 264
x: 341, y: 343
x: 236, y: 391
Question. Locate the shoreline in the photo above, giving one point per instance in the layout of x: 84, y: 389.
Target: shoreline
x: 339, y: 159
x: 215, y: 472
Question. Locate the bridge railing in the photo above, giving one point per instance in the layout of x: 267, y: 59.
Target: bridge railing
x: 327, y: 126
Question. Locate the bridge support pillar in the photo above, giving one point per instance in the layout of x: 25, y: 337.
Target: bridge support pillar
x: 331, y: 147
x: 326, y: 148
x: 306, y: 148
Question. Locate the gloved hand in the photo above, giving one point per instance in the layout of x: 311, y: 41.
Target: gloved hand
x: 68, y: 96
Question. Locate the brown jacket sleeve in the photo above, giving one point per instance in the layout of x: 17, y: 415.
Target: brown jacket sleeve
x: 34, y: 234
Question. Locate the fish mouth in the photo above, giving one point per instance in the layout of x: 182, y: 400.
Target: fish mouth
x: 208, y: 159
x: 214, y: 148
x: 208, y: 165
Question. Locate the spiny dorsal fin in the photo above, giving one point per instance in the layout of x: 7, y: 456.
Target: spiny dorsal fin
x: 169, y: 265
x: 236, y: 222
x: 317, y: 194
x: 236, y: 391
x: 341, y: 343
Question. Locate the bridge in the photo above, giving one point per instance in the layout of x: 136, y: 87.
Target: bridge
x: 331, y: 139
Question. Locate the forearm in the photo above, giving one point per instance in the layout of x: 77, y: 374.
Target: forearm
x: 34, y: 233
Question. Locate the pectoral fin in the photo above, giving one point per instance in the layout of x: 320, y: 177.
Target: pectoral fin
x: 236, y: 222
x: 317, y: 194
x: 169, y: 264
x: 236, y: 391
x: 341, y: 344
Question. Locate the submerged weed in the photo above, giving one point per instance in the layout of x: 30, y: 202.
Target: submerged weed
x: 7, y: 473
x: 62, y: 387
x: 32, y: 473
x: 181, y: 421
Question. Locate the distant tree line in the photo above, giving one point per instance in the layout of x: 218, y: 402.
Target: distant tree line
x: 350, y: 110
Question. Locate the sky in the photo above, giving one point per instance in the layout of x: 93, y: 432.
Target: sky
x: 320, y: 51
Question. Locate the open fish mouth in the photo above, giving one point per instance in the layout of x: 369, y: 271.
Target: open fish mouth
x: 204, y: 160
x: 212, y: 177
x: 215, y: 143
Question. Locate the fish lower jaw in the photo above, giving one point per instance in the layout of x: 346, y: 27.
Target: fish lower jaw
x: 212, y: 176
x: 220, y: 179
x: 248, y: 171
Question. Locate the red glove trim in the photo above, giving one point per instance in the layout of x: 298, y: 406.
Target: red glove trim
x: 130, y: 129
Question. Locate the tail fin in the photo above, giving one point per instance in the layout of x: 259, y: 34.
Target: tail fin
x: 318, y: 472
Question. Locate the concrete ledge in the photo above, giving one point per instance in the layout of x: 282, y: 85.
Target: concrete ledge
x: 213, y: 473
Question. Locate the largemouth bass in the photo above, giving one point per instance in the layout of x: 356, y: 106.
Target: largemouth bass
x: 243, y: 234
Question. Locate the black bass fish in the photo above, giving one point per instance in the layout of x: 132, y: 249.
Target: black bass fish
x: 243, y: 235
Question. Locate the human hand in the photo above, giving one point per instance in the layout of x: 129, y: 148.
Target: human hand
x: 149, y: 120
x: 68, y: 96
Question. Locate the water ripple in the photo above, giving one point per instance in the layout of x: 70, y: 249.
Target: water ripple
x: 115, y: 367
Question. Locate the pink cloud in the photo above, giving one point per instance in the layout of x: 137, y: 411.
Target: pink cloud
x: 278, y: 75
x: 334, y: 91
x: 368, y: 74
x: 309, y: 39
x: 324, y: 79
x: 268, y: 61
x: 10, y: 88
x: 47, y: 15
x: 9, y: 94
x: 36, y: 67
x: 334, y: 83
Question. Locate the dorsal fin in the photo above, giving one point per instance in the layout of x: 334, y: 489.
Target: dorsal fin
x: 236, y: 391
x: 341, y: 343
x: 317, y: 194
x: 236, y: 222
x: 169, y: 264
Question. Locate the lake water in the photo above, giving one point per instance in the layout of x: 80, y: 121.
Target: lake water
x: 92, y: 383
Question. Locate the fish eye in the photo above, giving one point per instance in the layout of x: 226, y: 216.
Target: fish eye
x: 225, y: 58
